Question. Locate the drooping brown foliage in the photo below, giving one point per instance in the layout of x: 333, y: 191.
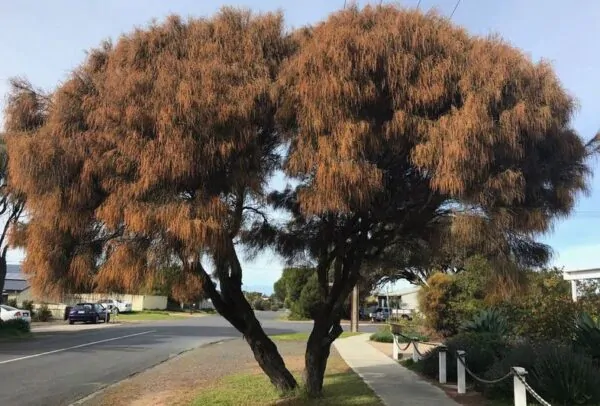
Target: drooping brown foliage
x: 404, y: 128
x: 152, y: 154
x: 403, y: 131
x: 26, y: 112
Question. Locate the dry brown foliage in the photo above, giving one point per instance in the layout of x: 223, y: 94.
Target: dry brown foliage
x: 150, y: 150
x: 385, y: 99
x: 403, y: 131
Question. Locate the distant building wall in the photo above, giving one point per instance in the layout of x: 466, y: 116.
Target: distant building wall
x: 138, y: 302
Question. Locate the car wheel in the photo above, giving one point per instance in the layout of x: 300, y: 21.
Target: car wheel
x: 71, y: 322
x: 116, y: 310
x: 95, y: 319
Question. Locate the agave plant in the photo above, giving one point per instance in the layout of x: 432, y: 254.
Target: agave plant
x: 587, y: 335
x: 487, y: 321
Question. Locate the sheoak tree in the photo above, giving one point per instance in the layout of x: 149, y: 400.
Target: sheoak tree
x: 397, y: 127
x: 403, y: 127
x: 154, y: 153
x: 25, y: 113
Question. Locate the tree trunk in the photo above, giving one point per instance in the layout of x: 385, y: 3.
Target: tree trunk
x: 233, y: 306
x: 270, y: 361
x: 3, y: 269
x: 317, y: 353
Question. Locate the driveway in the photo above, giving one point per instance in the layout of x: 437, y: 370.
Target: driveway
x: 59, y: 368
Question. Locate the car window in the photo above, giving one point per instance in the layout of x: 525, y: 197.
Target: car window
x: 82, y: 306
x: 99, y: 307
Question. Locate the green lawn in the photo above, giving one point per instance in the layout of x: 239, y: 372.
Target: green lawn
x: 304, y: 336
x: 150, y: 315
x: 342, y: 387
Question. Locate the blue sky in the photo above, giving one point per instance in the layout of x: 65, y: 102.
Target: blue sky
x: 43, y: 41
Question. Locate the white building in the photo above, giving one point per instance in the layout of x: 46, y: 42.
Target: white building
x: 406, y: 299
x: 580, y: 275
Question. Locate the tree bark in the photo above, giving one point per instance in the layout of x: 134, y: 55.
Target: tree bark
x: 3, y: 269
x: 317, y: 353
x: 270, y: 361
x: 233, y: 306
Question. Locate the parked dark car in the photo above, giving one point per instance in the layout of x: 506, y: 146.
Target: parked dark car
x: 88, y: 312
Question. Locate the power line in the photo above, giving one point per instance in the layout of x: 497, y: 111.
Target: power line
x: 455, y: 7
x: 418, y: 4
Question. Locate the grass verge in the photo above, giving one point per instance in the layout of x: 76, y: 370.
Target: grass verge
x: 14, y: 335
x: 150, y: 315
x: 342, y: 387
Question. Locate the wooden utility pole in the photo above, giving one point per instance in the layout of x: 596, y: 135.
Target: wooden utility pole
x: 354, y: 310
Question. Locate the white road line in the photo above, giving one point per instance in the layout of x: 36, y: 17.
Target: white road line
x: 74, y: 347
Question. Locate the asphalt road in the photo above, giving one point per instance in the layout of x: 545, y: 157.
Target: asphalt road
x: 60, y: 368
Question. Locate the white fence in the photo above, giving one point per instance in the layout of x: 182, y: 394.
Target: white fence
x: 520, y: 386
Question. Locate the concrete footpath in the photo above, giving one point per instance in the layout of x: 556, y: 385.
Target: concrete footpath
x: 394, y: 384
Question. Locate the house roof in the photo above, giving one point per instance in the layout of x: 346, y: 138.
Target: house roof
x: 15, y: 285
x: 15, y: 281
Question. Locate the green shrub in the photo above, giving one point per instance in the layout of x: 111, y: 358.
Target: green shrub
x: 520, y: 354
x: 258, y: 304
x: 15, y: 325
x: 383, y: 335
x: 587, y: 335
x: 487, y: 321
x: 555, y: 371
x: 12, y: 302
x: 481, y: 352
x: 43, y: 314
x: 564, y: 377
x: 434, y: 302
x: 27, y: 305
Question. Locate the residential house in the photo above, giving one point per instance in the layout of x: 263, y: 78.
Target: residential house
x: 14, y: 284
x: 405, y: 299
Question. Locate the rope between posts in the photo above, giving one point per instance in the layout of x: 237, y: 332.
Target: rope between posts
x: 415, y: 344
x: 405, y: 348
x: 532, y: 392
x: 485, y: 381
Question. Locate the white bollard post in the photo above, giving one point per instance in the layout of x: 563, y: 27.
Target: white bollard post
x: 519, y: 389
x: 461, y: 383
x: 395, y: 351
x: 415, y: 355
x: 442, y: 364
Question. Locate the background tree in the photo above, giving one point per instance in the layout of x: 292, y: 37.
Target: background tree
x: 403, y: 128
x: 25, y: 113
x: 155, y: 152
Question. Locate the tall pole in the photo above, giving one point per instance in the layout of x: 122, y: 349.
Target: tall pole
x: 354, y: 311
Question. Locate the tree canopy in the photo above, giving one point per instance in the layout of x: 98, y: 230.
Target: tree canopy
x: 401, y: 131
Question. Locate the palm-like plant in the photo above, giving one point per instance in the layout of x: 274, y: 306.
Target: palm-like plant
x: 487, y: 321
x: 587, y: 335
